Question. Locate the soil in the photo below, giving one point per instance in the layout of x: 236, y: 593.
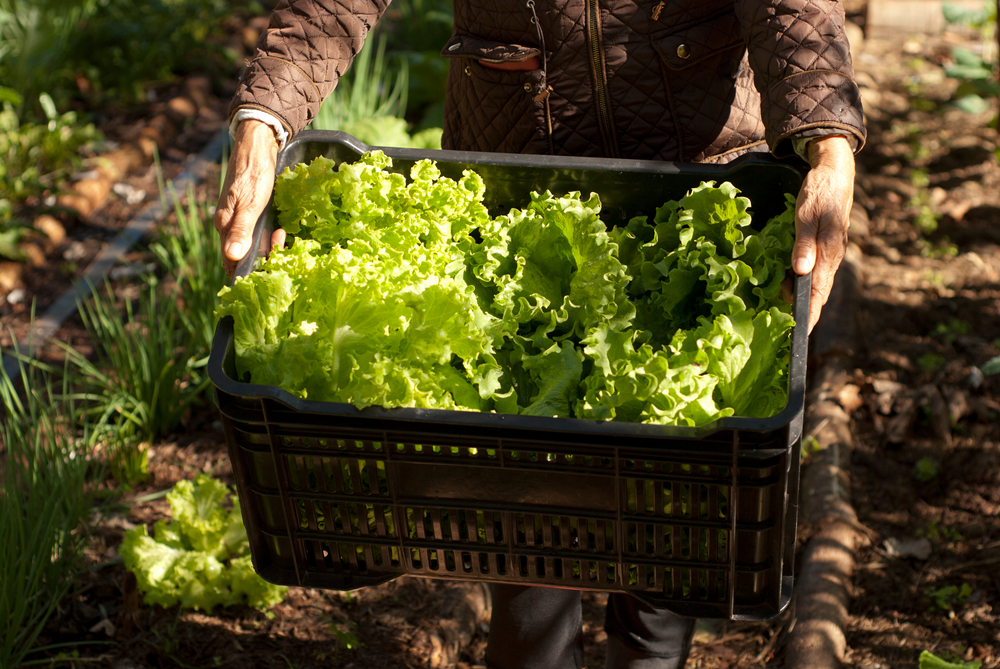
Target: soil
x: 925, y: 471
x: 926, y: 463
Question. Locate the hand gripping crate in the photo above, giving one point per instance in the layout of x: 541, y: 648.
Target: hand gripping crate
x: 700, y: 521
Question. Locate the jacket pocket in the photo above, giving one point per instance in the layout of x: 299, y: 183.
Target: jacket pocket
x: 695, y: 44
x: 489, y: 51
x: 494, y: 109
x: 709, y: 87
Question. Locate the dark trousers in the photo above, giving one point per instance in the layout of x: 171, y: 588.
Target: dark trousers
x: 541, y: 628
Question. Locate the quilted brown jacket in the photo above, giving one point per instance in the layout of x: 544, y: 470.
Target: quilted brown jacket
x: 679, y: 80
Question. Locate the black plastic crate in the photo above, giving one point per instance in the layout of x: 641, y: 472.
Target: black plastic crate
x: 700, y: 521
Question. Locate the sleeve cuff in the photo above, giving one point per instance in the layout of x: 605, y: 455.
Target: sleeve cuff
x: 800, y: 143
x: 241, y: 115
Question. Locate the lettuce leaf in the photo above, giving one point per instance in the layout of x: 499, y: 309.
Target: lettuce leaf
x: 200, y: 559
x: 929, y: 660
x: 636, y: 382
x: 707, y: 291
x: 747, y: 353
x: 557, y: 267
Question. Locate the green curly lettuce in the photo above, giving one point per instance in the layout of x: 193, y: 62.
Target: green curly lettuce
x: 929, y: 660
x: 406, y: 292
x: 199, y: 559
x: 374, y: 307
x: 711, y: 335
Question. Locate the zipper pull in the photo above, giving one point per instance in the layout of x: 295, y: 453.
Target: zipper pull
x: 658, y: 9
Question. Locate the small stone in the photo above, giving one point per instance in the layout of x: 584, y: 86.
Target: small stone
x: 908, y: 548
x: 860, y: 223
x: 197, y: 88
x: 87, y: 195
x: 865, y: 80
x: 893, y: 102
x: 51, y: 228
x: 34, y: 253
x: 958, y: 404
x: 181, y: 108
x: 849, y: 398
x: 872, y: 99
x: 105, y: 626
x: 119, y: 523
x: 16, y: 296
x: 76, y: 251
x: 129, y: 193
x: 10, y: 274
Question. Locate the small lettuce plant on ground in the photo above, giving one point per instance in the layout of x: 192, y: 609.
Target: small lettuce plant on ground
x: 201, y: 558
x: 929, y: 660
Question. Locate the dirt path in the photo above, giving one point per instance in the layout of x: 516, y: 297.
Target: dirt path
x: 926, y: 466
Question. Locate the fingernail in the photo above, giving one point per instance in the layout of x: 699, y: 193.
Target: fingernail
x: 801, y: 266
x: 235, y: 250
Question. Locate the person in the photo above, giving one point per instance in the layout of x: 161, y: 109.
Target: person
x: 683, y: 81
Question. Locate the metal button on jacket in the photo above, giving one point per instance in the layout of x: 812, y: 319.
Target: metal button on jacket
x: 684, y: 51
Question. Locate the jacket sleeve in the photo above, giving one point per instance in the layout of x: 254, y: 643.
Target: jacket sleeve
x: 802, y: 68
x: 306, y: 48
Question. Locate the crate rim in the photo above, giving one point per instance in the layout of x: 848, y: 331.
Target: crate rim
x: 399, y: 417
x: 534, y: 160
x: 500, y: 422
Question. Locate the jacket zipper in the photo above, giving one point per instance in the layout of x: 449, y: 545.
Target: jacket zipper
x: 607, y: 128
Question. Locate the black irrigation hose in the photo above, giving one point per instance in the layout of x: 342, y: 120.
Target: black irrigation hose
x: 46, y: 325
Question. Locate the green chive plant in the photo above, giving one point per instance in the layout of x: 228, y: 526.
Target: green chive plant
x: 191, y: 254
x: 147, y: 371
x: 370, y: 103
x: 150, y: 360
x: 417, y: 29
x: 45, y: 466
x: 369, y: 90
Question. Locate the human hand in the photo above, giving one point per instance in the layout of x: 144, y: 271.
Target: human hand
x: 246, y: 192
x: 822, y: 217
